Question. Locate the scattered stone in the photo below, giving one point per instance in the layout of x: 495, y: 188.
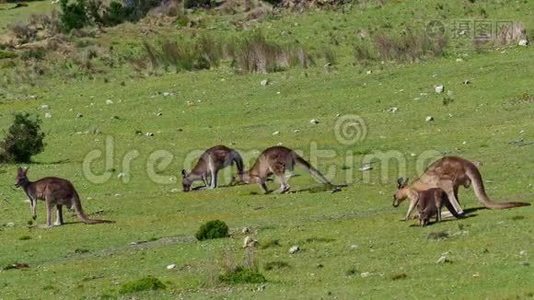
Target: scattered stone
x: 117, y: 195
x: 523, y: 42
x: 276, y: 132
x: 476, y: 274
x: 393, y: 109
x: 159, y: 114
x: 249, y: 242
x: 366, y: 167
x: 48, y: 115
x: 294, y: 249
x: 79, y: 115
x: 246, y: 230
x: 175, y: 190
x: 354, y: 246
x: 523, y: 252
x: 443, y: 259
x: 45, y: 106
x: 296, y: 131
x: 369, y: 72
x: 171, y: 266
x: 265, y: 82
x: 166, y: 94
x: 149, y: 134
x: 109, y: 101
x: 429, y: 119
x: 314, y: 121
x: 365, y: 274
x: 121, y: 175
x: 439, y: 88
x: 459, y: 59
x: 467, y: 81
x: 10, y: 224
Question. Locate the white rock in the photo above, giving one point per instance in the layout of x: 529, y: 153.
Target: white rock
x: 48, y: 115
x: 249, y: 242
x: 442, y: 259
x: 439, y: 88
x: 166, y: 94
x: 429, y: 118
x: 294, y: 249
x: 369, y: 72
x: 314, y: 121
x: 523, y: 252
x: 296, y: 130
x: 10, y: 224
x: 366, y: 167
x: 459, y: 59
x: 393, y: 109
x: 45, y: 106
x: 354, y: 246
x: 245, y: 230
x: 149, y: 134
x: 79, y: 115
x: 264, y: 82
x: 523, y: 42
x: 365, y: 274
x: 175, y: 190
x: 159, y: 114
x: 121, y: 175
x: 276, y: 132
x: 109, y: 101
x: 171, y: 266
x: 117, y: 195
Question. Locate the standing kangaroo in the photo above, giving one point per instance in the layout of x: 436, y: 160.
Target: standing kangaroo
x: 276, y: 160
x: 430, y: 204
x: 209, y: 164
x: 54, y: 192
x: 448, y: 173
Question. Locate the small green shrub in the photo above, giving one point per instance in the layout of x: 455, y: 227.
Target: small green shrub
x: 73, y: 15
x: 144, y: 284
x: 23, y: 140
x: 7, y: 54
x: 212, y: 230
x: 242, y: 275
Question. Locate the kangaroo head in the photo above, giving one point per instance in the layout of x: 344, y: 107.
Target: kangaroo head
x: 402, y: 191
x: 246, y: 177
x: 186, y: 181
x: 21, y: 178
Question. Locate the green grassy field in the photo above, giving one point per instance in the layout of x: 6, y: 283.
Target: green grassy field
x: 353, y: 243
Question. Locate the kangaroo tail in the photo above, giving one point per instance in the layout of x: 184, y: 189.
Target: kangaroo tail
x: 480, y: 191
x: 313, y: 171
x: 81, y: 214
x: 236, y: 157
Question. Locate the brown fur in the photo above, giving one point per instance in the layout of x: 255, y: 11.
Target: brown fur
x: 209, y: 164
x: 430, y: 204
x: 277, y: 160
x: 55, y: 192
x: 448, y: 174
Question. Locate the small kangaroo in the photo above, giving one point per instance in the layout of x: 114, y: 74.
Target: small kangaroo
x: 209, y: 164
x: 54, y: 192
x: 430, y: 203
x: 276, y: 160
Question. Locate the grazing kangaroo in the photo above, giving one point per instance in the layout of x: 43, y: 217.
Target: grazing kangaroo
x: 430, y: 203
x: 448, y: 173
x: 54, y: 192
x: 209, y: 164
x: 276, y: 160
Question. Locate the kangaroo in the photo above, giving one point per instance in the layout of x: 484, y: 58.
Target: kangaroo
x: 276, y: 160
x: 54, y: 192
x: 209, y: 164
x: 448, y: 173
x: 430, y: 203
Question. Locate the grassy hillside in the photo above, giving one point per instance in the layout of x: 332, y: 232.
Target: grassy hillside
x: 353, y: 243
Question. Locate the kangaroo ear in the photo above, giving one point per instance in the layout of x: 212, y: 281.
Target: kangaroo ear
x: 405, y: 183
x: 26, y: 170
x: 184, y: 173
x: 400, y: 182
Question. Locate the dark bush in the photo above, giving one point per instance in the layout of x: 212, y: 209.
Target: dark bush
x: 198, y: 3
x: 73, y: 15
x: 23, y: 140
x: 242, y: 275
x: 212, y: 230
x: 144, y: 284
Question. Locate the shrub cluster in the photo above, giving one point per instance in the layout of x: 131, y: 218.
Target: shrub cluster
x: 23, y: 140
x: 212, y: 230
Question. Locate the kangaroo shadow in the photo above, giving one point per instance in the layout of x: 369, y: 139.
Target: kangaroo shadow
x: 448, y: 219
x: 57, y: 162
